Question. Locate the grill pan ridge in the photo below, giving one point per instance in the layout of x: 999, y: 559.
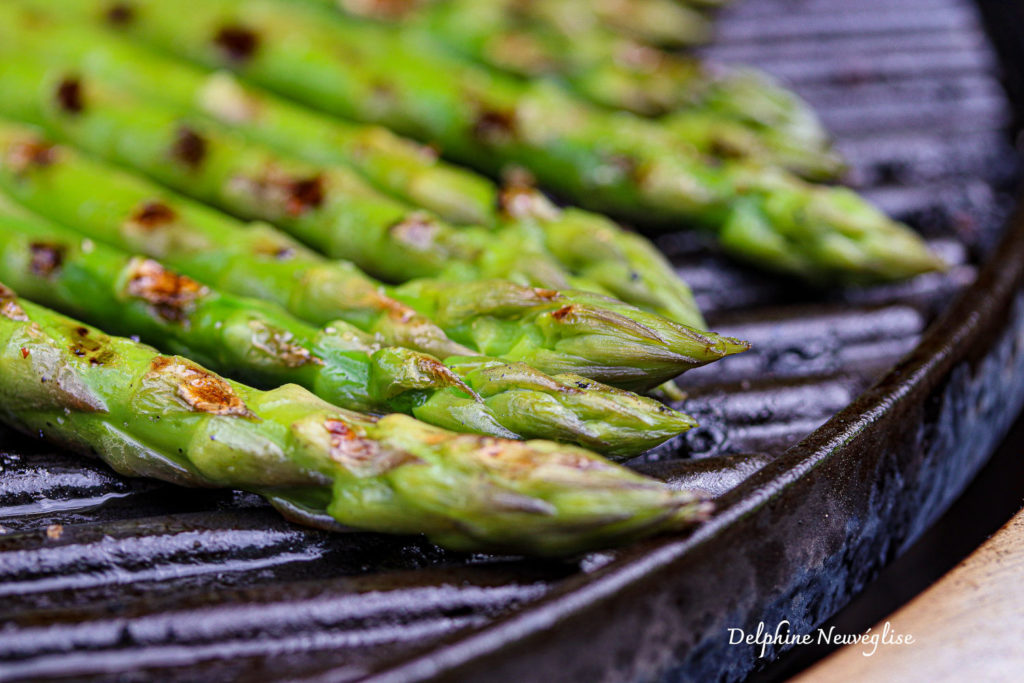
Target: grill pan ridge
x: 856, y: 420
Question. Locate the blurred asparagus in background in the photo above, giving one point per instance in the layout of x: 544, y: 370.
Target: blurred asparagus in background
x: 600, y: 254
x: 554, y: 332
x: 658, y: 22
x: 729, y: 112
x: 609, y: 161
x: 168, y: 417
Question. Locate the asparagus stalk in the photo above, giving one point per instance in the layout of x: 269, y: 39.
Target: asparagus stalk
x: 328, y: 207
x: 257, y: 342
x: 593, y: 247
x: 610, y: 161
x: 658, y: 22
x: 554, y: 332
x: 720, y: 111
x: 167, y: 417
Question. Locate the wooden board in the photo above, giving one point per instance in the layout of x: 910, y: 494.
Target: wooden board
x: 968, y: 626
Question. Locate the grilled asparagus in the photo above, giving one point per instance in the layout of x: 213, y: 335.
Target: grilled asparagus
x: 554, y: 332
x: 160, y: 416
x: 721, y: 111
x: 595, y: 248
x: 610, y: 161
x: 257, y: 342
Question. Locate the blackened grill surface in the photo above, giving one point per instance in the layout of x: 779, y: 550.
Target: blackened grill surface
x: 104, y: 577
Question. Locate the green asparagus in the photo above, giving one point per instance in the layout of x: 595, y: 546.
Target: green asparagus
x: 160, y: 416
x: 328, y: 207
x: 257, y: 342
x: 659, y: 22
x: 554, y: 332
x: 593, y: 247
x: 611, y: 161
x: 720, y: 111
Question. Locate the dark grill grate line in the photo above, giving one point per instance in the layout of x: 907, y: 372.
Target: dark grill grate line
x: 895, y: 19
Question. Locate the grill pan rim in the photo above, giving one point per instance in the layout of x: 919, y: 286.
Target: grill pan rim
x: 958, y: 335
x: 963, y: 335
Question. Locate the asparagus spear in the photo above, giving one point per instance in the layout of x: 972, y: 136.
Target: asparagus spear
x: 167, y: 417
x: 720, y: 111
x: 598, y: 250
x: 328, y: 207
x: 148, y: 138
x: 554, y: 332
x: 610, y: 161
x: 257, y: 342
x: 658, y: 22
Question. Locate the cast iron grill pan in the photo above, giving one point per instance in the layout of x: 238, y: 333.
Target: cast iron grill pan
x: 830, y: 446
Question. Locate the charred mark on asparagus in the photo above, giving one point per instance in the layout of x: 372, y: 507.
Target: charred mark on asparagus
x: 171, y: 296
x: 120, y: 14
x: 238, y: 43
x: 364, y: 457
x: 277, y: 344
x: 153, y: 214
x: 305, y: 194
x: 69, y: 95
x: 563, y: 312
x: 518, y: 201
x: 9, y: 307
x: 28, y: 153
x: 417, y: 229
x: 96, y: 351
x: 288, y: 193
x: 46, y: 258
x: 546, y: 294
x: 189, y: 147
x: 380, y: 9
x: 495, y: 127
x: 200, y: 389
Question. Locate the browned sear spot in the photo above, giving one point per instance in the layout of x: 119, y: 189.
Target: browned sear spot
x: 359, y: 455
x: 563, y: 312
x: 46, y: 258
x: 304, y: 194
x: 153, y: 214
x: 96, y: 350
x: 120, y: 14
x: 546, y: 294
x: 398, y: 311
x: 514, y: 200
x: 69, y: 95
x: 381, y: 9
x: 348, y: 448
x: 171, y: 295
x: 417, y: 229
x: 27, y: 153
x: 279, y: 344
x: 202, y: 390
x: 494, y: 127
x: 281, y: 191
x: 9, y: 307
x: 238, y: 43
x: 189, y: 147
